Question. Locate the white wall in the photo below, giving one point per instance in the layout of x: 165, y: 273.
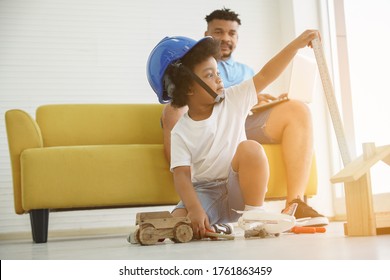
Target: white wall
x: 95, y: 51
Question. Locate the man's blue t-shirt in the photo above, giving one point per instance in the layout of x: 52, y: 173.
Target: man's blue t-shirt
x: 233, y: 72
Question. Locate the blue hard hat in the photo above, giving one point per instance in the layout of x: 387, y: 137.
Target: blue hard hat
x: 167, y: 51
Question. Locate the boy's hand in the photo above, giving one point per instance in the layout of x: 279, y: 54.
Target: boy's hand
x: 200, y: 222
x: 306, y: 37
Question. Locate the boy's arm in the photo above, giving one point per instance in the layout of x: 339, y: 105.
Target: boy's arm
x: 185, y: 189
x: 169, y: 118
x: 279, y: 62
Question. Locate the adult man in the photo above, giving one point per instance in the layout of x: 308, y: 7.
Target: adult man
x: 288, y: 123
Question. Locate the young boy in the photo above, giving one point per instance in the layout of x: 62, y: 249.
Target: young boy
x: 215, y: 168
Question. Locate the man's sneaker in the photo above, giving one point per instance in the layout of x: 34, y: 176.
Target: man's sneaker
x: 223, y: 228
x: 307, y: 216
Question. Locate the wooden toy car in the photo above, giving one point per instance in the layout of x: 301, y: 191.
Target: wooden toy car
x: 155, y: 226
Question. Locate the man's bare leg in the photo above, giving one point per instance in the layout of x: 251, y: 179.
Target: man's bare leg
x: 290, y: 124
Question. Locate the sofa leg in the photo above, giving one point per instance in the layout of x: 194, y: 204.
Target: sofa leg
x: 39, y: 219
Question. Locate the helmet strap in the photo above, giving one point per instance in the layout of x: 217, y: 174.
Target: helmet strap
x: 217, y: 97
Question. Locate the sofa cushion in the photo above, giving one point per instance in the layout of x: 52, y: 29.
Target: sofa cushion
x: 100, y: 124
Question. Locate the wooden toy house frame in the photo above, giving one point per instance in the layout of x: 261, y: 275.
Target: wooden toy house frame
x: 361, y: 218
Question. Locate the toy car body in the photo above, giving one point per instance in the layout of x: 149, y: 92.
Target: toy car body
x: 155, y: 226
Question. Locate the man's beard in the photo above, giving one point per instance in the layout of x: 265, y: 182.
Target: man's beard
x: 227, y: 55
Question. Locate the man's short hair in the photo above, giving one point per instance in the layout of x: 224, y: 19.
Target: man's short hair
x: 224, y: 14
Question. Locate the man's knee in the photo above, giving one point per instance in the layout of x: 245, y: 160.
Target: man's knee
x: 298, y: 110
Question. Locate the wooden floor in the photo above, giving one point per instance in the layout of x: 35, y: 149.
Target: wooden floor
x: 332, y: 245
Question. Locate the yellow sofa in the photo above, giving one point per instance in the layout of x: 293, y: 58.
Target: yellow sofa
x: 87, y: 156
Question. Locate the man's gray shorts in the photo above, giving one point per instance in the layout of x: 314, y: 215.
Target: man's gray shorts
x: 255, y: 125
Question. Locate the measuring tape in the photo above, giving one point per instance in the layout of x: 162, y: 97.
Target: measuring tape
x: 331, y: 100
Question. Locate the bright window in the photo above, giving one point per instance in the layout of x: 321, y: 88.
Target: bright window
x: 367, y: 31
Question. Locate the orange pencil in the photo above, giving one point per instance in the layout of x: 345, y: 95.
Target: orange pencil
x: 308, y: 229
x: 320, y: 229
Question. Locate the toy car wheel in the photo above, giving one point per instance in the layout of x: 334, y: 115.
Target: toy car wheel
x: 133, y: 237
x: 182, y: 233
x: 147, y: 235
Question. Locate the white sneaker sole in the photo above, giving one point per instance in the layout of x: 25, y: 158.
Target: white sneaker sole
x: 311, y: 222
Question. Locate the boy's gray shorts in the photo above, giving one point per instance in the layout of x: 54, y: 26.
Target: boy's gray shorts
x: 219, y: 198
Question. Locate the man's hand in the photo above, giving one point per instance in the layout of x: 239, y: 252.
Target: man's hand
x: 264, y: 98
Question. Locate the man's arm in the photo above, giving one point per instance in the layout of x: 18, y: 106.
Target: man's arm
x: 170, y: 116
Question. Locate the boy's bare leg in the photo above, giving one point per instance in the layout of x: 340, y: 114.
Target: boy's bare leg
x: 251, y: 164
x: 290, y: 124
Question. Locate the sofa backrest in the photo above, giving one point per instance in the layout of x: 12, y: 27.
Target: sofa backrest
x: 100, y: 124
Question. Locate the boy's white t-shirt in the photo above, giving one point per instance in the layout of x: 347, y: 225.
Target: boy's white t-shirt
x: 208, y: 146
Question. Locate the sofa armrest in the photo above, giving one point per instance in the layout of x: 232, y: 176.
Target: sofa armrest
x: 22, y: 133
